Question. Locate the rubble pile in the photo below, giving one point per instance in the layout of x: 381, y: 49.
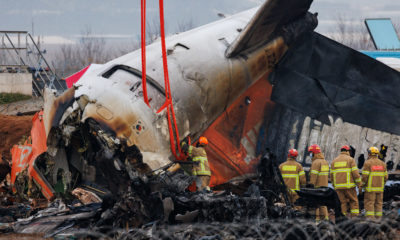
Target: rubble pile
x: 160, y: 207
x: 138, y: 207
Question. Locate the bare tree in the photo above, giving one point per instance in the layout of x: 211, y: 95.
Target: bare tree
x: 185, y: 25
x: 153, y: 30
x: 92, y: 48
x: 125, y: 48
x: 352, y: 33
x: 89, y: 49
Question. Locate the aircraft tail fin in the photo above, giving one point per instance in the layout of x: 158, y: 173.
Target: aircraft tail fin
x: 269, y: 20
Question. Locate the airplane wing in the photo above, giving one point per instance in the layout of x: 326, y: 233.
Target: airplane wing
x: 269, y: 19
x: 318, y: 76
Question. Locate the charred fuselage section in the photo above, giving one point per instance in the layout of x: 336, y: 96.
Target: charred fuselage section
x: 87, y: 155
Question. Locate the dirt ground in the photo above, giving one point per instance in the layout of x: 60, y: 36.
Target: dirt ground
x: 12, y: 129
x: 26, y: 106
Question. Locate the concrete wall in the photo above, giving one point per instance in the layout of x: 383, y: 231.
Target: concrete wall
x: 16, y: 83
x: 289, y: 129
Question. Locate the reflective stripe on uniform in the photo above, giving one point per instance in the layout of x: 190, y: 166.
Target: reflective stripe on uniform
x: 374, y: 189
x: 348, y: 171
x: 379, y: 214
x: 358, y: 180
x: 355, y: 211
x: 340, y: 164
x: 289, y: 168
x: 203, y: 170
x: 325, y: 168
x: 354, y: 169
x: 369, y: 188
x: 190, y: 150
x: 295, y: 176
x: 314, y: 172
x: 346, y: 185
x: 370, y: 213
x: 379, y: 174
x: 301, y: 173
x: 345, y: 170
x: 365, y: 172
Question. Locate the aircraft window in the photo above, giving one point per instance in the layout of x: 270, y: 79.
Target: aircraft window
x: 125, y: 79
x: 131, y: 78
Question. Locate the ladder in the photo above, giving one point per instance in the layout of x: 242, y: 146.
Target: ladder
x: 20, y: 53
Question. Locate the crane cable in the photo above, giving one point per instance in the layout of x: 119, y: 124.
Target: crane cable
x: 168, y: 105
x: 143, y: 48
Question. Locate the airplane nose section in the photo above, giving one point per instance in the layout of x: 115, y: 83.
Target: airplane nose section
x: 121, y: 116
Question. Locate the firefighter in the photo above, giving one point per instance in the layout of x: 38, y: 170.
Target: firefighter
x: 374, y: 176
x: 202, y: 169
x: 293, y: 175
x: 319, y: 177
x: 345, y: 177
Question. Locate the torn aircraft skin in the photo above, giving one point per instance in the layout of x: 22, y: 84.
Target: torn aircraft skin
x: 101, y: 131
x: 320, y: 77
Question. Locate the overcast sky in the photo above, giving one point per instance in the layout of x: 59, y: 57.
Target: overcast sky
x: 64, y: 20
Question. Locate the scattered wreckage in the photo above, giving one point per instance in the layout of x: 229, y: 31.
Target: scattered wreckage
x: 159, y: 207
x: 103, y: 153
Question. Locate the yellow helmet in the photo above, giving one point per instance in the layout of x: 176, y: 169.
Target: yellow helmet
x: 373, y: 151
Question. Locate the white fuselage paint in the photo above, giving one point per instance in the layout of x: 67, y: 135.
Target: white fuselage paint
x: 203, y: 83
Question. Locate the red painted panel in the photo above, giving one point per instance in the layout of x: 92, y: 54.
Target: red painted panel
x: 75, y: 77
x: 234, y: 136
x: 24, y: 156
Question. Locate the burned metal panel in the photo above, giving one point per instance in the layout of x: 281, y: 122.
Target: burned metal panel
x: 284, y: 131
x: 237, y: 137
x: 54, y: 107
x: 269, y: 20
x: 300, y: 131
x: 319, y: 77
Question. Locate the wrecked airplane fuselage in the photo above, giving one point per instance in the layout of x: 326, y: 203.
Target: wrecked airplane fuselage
x: 101, y: 129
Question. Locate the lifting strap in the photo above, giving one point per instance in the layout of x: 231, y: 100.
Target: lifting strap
x: 168, y: 105
x: 143, y: 39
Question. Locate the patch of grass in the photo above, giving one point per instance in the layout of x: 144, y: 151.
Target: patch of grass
x: 12, y: 97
